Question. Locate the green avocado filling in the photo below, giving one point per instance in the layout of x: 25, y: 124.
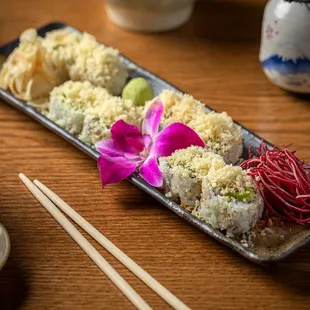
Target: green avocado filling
x: 246, y: 196
x: 186, y: 166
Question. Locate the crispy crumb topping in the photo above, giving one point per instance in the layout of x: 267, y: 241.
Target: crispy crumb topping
x: 113, y: 109
x: 87, y: 60
x: 217, y: 129
x: 79, y: 95
x: 194, y: 159
x: 230, y: 179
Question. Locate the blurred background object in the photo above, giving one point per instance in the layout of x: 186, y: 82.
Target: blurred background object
x: 149, y: 15
x: 4, y: 246
x: 285, y: 46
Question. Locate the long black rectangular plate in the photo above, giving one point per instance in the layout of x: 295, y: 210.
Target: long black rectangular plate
x: 259, y: 254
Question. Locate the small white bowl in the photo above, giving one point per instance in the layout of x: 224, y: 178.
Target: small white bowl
x: 4, y: 246
x: 149, y: 15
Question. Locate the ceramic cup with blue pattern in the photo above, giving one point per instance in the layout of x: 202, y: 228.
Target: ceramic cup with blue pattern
x: 285, y: 44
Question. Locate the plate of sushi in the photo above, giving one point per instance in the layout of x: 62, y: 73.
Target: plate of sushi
x: 208, y: 169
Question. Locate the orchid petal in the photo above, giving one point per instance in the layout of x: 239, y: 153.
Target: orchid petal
x: 107, y: 147
x: 174, y: 137
x: 147, y: 142
x: 151, y: 173
x: 114, y: 169
x: 127, y: 138
x: 152, y: 118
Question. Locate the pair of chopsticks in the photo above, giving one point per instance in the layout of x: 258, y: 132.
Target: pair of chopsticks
x: 53, y: 204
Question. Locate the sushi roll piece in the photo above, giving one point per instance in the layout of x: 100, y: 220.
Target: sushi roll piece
x: 60, y: 45
x: 98, y: 64
x: 69, y: 101
x: 221, y: 135
x: 84, y: 59
x: 100, y: 118
x: 229, y: 200
x: 183, y: 172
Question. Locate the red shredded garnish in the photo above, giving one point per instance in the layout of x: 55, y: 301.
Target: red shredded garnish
x: 283, y: 181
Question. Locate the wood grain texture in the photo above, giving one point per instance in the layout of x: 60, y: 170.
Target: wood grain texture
x: 215, y: 58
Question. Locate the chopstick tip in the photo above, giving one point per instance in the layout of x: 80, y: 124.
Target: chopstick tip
x: 24, y: 178
x: 21, y: 176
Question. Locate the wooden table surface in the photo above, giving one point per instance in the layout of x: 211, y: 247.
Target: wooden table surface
x: 215, y: 58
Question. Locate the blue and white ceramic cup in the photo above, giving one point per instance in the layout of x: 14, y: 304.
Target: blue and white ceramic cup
x: 285, y: 45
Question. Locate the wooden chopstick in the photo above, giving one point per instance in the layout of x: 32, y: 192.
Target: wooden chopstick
x: 166, y: 295
x: 113, y: 275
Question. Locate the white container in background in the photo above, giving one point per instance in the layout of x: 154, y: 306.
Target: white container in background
x: 285, y: 45
x: 4, y: 246
x: 149, y: 15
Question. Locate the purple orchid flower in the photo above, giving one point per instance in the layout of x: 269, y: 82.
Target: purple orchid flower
x: 130, y: 149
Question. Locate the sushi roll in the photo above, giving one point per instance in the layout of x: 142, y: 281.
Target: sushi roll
x: 229, y: 200
x: 69, y: 101
x: 100, y: 118
x: 60, y: 45
x: 84, y: 59
x: 98, y: 64
x: 183, y: 172
x: 222, y: 195
x: 221, y: 135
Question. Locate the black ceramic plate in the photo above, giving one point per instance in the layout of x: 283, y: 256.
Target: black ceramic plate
x: 265, y: 249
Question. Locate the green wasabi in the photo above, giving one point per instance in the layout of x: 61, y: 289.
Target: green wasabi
x: 138, y: 90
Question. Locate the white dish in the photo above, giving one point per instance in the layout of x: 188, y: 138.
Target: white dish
x: 150, y: 15
x: 4, y: 246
